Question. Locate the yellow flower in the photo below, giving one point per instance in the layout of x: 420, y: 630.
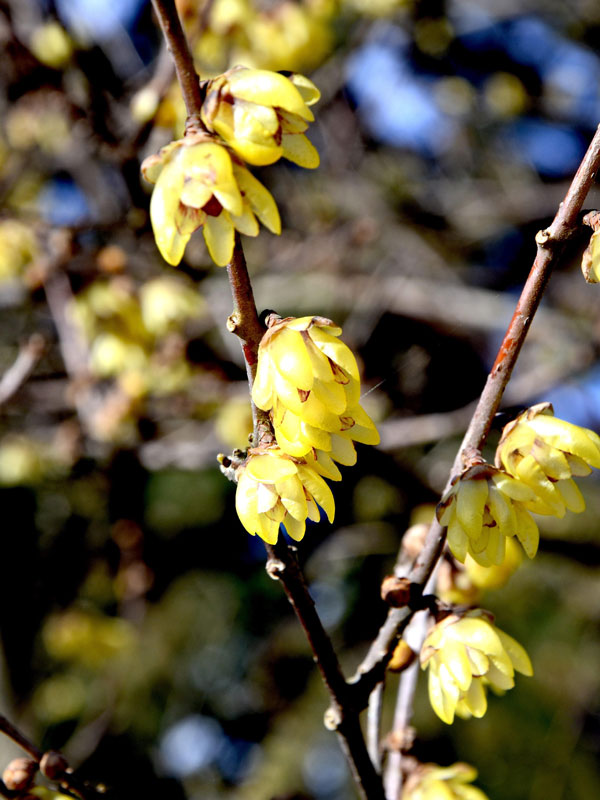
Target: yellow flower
x: 274, y: 490
x: 432, y: 782
x: 262, y: 115
x: 18, y: 248
x: 544, y: 453
x: 310, y: 382
x: 199, y: 185
x: 482, y: 509
x: 464, y: 654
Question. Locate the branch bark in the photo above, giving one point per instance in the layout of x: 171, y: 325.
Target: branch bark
x: 282, y: 564
x: 550, y: 244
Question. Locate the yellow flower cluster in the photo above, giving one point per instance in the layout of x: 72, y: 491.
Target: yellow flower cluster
x: 308, y: 380
x: 465, y: 653
x: 252, y: 116
x: 536, y: 459
x: 432, y: 782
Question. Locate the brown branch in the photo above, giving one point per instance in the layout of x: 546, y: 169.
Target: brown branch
x: 341, y: 717
x: 24, y: 364
x: 282, y: 563
x: 180, y: 52
x: 52, y: 765
x: 550, y: 245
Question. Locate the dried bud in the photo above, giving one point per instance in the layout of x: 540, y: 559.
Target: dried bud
x: 395, y: 591
x: 53, y: 765
x: 18, y: 775
x: 402, y: 657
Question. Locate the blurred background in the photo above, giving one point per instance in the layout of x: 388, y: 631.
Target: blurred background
x: 140, y: 633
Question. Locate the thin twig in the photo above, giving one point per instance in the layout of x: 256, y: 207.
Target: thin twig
x: 67, y: 779
x: 550, y: 244
x: 282, y: 563
x: 182, y: 58
x: 341, y: 717
x: 22, y: 367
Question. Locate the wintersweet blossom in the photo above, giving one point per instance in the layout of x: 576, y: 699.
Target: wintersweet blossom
x: 432, y: 782
x: 199, y: 185
x: 275, y: 490
x: 484, y: 507
x: 465, y: 653
x: 262, y: 115
x: 544, y: 453
x: 309, y: 381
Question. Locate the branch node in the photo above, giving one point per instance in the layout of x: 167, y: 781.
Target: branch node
x: 275, y: 567
x: 543, y: 237
x: 332, y: 718
x: 53, y: 765
x: 233, y: 322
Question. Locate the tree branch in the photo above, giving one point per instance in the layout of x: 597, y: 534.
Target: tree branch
x: 282, y: 564
x: 550, y: 245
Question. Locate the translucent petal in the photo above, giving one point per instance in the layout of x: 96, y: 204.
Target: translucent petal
x: 245, y: 503
x: 457, y: 538
x: 443, y: 705
x: 318, y: 489
x: 316, y: 437
x: 266, y: 497
x: 286, y: 393
x: 496, y: 546
x: 455, y: 659
x: 471, y: 498
x: 563, y: 435
x: 529, y: 471
x: 268, y: 529
x: 246, y: 222
x: 342, y: 450
x: 163, y: 207
x: 300, y: 150
x: 295, y: 528
x: 476, y: 633
x: 288, y: 353
x: 502, y: 511
x: 219, y: 238
x: 313, y: 510
x: 571, y: 495
x: 261, y: 201
x: 296, y: 448
x: 291, y: 123
x: 475, y: 698
x: 270, y: 89
x: 498, y: 680
x: 292, y: 496
x: 320, y: 363
x: 195, y: 193
x: 478, y: 660
x: 314, y: 412
x: 511, y: 487
x: 527, y: 532
x: 578, y: 466
x: 309, y: 92
x: 551, y: 460
x: 254, y: 121
x: 335, y: 350
x: 270, y: 468
x: 517, y: 654
x: 262, y: 387
x: 359, y: 426
x: 325, y: 466
x: 332, y: 395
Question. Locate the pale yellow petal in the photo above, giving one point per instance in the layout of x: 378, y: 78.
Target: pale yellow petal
x: 269, y: 469
x: 260, y: 200
x: 471, y: 498
x: 317, y: 487
x: 300, y: 150
x: 219, y: 238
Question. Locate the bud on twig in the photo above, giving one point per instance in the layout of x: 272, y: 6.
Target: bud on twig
x: 395, y: 591
x: 18, y: 775
x: 53, y: 765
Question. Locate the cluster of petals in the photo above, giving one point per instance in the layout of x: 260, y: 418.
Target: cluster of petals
x: 544, y: 453
x: 432, y: 782
x: 274, y: 489
x: 309, y: 381
x: 465, y: 653
x: 482, y: 509
x: 262, y: 115
x: 200, y: 185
